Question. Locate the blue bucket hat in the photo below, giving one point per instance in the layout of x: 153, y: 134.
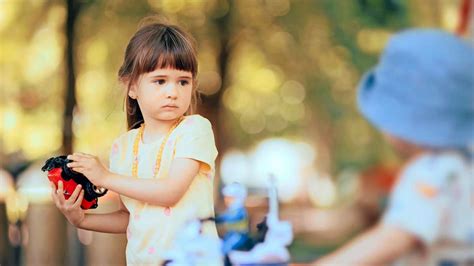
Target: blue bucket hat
x: 422, y: 89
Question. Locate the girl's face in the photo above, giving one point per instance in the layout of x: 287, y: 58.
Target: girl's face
x: 163, y: 94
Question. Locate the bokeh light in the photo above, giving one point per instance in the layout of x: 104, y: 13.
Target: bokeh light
x: 235, y: 167
x: 284, y: 159
x: 34, y: 186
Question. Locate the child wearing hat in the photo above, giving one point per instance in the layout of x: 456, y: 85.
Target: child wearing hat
x: 421, y: 97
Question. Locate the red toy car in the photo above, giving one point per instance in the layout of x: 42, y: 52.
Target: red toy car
x: 58, y: 170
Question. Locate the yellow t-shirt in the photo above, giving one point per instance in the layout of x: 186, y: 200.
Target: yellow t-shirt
x: 151, y: 228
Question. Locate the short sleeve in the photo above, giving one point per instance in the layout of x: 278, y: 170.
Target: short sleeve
x: 417, y: 204
x: 196, y: 141
x: 114, y: 156
x: 118, y: 152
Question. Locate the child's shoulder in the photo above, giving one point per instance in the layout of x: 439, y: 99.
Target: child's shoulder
x: 125, y: 137
x: 196, y: 122
x: 437, y: 163
x: 439, y: 158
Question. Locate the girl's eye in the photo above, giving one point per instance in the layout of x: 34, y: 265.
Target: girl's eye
x: 183, y: 82
x: 160, y: 81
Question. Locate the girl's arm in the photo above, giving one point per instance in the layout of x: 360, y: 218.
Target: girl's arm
x: 115, y: 222
x: 378, y: 246
x: 163, y: 192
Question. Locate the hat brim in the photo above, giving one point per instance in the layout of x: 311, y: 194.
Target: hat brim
x: 421, y: 125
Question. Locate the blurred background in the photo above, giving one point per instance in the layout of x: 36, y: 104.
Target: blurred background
x: 278, y: 81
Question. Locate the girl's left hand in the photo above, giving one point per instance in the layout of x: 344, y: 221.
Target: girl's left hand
x: 90, y: 166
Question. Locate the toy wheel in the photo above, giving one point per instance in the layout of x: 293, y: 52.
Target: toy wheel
x: 100, y: 191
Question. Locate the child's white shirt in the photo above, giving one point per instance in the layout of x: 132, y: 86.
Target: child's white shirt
x: 434, y: 200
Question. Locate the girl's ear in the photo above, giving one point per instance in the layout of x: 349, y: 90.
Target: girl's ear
x: 131, y: 88
x: 132, y: 91
x: 195, y: 84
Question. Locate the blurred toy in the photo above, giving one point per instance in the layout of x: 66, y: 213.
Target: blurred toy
x: 58, y: 171
x: 235, y: 220
x: 279, y: 235
x: 193, y: 248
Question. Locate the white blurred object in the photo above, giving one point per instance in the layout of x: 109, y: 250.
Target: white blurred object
x: 34, y: 184
x: 237, y: 192
x: 193, y: 248
x: 322, y: 191
x: 286, y: 160
x: 235, y: 167
x: 277, y: 238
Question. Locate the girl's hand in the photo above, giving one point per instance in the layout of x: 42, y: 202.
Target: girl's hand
x: 90, y: 166
x: 71, y: 208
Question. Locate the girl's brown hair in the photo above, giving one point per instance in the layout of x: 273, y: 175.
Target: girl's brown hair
x: 156, y: 45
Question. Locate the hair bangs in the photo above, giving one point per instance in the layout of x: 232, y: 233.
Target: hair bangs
x: 177, y: 59
x: 170, y: 50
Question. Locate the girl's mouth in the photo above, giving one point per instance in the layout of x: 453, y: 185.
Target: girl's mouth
x: 170, y: 106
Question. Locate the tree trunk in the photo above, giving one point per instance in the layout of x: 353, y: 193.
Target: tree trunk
x: 75, y: 251
x: 73, y: 8
x: 211, y: 106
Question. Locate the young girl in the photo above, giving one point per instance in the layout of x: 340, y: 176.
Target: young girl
x: 420, y: 96
x: 163, y: 167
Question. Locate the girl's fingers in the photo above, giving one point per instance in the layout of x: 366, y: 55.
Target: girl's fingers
x: 59, y: 192
x: 78, y: 202
x: 60, y: 186
x: 53, y: 186
x: 74, y: 164
x: 78, y: 156
x: 75, y: 157
x: 79, y: 161
x: 53, y: 191
x: 79, y: 169
x: 81, y: 154
x: 74, y: 194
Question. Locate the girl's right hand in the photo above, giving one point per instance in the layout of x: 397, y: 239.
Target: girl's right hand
x: 71, y: 208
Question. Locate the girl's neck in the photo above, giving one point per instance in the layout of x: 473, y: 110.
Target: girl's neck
x: 156, y: 129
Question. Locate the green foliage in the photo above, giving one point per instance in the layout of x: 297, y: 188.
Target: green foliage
x: 255, y: 47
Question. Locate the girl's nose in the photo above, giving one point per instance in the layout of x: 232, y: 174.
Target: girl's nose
x: 171, y: 91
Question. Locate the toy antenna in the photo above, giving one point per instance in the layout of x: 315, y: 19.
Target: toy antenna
x: 273, y: 199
